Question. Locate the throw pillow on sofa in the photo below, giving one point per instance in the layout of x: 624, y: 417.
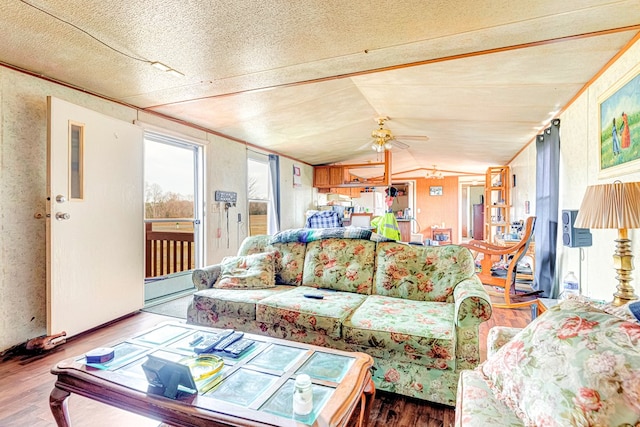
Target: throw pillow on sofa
x: 574, y: 366
x: 254, y: 271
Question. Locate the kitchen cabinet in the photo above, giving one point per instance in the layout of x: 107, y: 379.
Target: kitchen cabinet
x: 405, y: 230
x: 347, y: 191
x: 338, y: 175
x: 321, y: 176
x: 497, y: 202
x: 329, y: 176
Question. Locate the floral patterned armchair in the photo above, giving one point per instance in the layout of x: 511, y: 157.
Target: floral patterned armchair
x: 578, y: 364
x: 416, y: 310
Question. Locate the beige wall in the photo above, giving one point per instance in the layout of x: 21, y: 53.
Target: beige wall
x: 579, y: 167
x: 23, y: 138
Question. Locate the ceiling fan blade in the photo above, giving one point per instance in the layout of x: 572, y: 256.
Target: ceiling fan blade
x: 399, y: 144
x: 418, y: 138
x: 366, y: 146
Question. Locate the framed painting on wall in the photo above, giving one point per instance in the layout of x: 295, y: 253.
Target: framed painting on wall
x: 297, y: 178
x: 619, y: 123
x: 435, y: 190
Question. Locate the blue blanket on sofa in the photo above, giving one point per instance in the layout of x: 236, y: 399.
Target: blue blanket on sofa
x: 306, y: 235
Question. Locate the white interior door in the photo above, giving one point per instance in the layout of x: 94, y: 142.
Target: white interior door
x: 95, y: 252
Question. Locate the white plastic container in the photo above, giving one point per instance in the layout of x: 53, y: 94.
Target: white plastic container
x: 570, y: 285
x: 302, y: 395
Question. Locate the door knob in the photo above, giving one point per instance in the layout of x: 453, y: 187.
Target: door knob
x: 60, y: 198
x: 60, y: 216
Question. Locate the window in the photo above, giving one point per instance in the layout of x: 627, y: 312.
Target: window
x: 258, y: 191
x: 76, y: 161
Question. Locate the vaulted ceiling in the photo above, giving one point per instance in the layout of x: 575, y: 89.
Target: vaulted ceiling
x: 465, y: 84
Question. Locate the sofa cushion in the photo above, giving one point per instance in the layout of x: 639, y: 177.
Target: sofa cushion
x: 476, y: 406
x: 233, y: 302
x: 423, y: 273
x: 340, y: 264
x: 289, y: 257
x: 574, y: 365
x: 289, y: 262
x: 319, y: 315
x: 255, y: 244
x: 247, y: 272
x: 421, y: 329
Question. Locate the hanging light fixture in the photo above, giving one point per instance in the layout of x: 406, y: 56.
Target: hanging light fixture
x: 382, y: 137
x: 434, y: 174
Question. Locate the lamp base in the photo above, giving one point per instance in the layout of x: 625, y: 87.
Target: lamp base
x: 623, y: 262
x: 620, y: 299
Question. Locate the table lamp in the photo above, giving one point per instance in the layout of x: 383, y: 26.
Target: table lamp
x: 615, y: 205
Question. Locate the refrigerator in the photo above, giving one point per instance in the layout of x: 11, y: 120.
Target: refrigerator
x: 478, y: 221
x: 371, y: 202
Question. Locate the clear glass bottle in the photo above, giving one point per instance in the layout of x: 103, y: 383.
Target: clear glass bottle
x: 570, y: 285
x: 302, y: 395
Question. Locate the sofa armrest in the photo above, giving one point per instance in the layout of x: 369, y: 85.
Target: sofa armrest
x: 499, y: 336
x: 204, y: 278
x: 473, y: 305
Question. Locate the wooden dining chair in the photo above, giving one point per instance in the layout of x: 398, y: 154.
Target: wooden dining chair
x: 509, y: 257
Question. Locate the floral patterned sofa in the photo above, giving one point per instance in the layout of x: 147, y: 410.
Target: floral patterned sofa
x: 414, y: 309
x: 578, y: 364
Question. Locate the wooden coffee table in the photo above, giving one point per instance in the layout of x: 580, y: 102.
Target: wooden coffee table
x: 253, y: 390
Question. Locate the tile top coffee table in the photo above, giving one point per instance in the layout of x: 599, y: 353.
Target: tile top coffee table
x: 254, y: 389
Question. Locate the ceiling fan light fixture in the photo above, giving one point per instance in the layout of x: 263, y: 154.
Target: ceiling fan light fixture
x: 382, y: 137
x: 434, y: 174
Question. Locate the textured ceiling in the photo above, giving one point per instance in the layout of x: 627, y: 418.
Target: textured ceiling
x: 479, y: 79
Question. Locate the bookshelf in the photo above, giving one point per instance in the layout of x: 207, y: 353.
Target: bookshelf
x: 497, y: 199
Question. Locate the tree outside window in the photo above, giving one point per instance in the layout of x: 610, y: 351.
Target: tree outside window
x: 258, y: 182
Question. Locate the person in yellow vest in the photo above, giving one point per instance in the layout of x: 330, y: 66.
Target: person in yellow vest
x: 387, y: 225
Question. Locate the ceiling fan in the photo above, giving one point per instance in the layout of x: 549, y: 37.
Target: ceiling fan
x: 383, y: 139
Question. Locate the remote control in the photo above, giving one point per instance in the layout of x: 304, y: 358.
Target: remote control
x: 228, y: 341
x: 196, y: 339
x: 239, y: 347
x: 209, y: 343
x: 314, y: 296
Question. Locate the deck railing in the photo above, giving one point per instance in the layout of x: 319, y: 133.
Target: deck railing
x: 168, y: 251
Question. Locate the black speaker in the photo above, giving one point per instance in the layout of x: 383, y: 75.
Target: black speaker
x: 571, y: 236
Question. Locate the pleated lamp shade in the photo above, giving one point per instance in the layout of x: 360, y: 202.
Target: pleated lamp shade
x: 615, y: 205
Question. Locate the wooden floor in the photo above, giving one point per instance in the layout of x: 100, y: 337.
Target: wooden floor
x: 25, y: 383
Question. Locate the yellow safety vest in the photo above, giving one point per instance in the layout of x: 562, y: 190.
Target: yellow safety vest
x: 387, y: 226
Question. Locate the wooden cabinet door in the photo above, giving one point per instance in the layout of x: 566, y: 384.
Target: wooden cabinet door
x: 336, y: 175
x: 321, y: 176
x: 405, y: 231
